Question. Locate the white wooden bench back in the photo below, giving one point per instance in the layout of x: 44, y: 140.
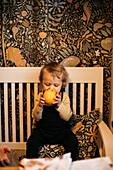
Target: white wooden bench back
x: 27, y: 76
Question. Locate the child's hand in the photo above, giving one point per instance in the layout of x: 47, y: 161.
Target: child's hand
x: 34, y: 121
x: 57, y: 100
x: 41, y: 101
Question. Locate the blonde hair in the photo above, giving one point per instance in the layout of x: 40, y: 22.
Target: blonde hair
x: 57, y: 70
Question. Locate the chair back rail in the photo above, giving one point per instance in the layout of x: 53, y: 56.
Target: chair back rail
x: 20, y: 86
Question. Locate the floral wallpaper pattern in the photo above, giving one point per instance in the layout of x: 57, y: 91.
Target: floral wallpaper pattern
x: 36, y: 32
x: 0, y: 31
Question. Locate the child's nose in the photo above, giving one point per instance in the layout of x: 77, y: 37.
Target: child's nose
x: 51, y: 87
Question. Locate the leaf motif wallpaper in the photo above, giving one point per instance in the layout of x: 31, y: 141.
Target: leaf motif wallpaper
x: 0, y: 34
x: 36, y: 32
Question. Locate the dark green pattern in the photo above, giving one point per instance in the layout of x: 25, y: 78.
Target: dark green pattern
x: 86, y: 129
x: 51, y: 151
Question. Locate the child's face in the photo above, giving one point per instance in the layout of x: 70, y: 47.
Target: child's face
x: 50, y: 82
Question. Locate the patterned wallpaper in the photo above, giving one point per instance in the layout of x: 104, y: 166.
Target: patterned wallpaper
x: 0, y: 31
x: 39, y: 31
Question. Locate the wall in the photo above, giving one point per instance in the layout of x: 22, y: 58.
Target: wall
x: 39, y: 31
x: 0, y: 32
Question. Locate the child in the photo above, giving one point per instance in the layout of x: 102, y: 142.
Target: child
x: 52, y: 126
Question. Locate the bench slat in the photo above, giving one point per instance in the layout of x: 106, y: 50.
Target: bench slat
x: 35, y: 91
x: 74, y: 97
x: 13, y: 112
x: 89, y: 97
x: 21, y: 111
x: 28, y: 111
x: 6, y: 111
x: 81, y: 99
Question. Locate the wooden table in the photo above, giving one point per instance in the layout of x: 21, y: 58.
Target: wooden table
x: 9, y: 168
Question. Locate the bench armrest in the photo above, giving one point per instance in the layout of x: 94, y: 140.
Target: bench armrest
x: 105, y: 141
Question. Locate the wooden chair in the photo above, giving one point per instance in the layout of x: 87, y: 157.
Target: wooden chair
x: 27, y: 81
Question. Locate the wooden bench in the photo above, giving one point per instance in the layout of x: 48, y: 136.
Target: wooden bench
x: 19, y: 88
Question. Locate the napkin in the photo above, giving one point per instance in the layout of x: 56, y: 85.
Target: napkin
x: 57, y: 163
x: 101, y: 163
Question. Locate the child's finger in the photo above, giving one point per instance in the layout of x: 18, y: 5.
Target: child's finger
x: 58, y: 94
x: 55, y: 102
x: 41, y: 95
x: 58, y: 98
x: 42, y: 99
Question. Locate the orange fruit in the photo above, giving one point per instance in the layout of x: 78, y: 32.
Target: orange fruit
x: 49, y: 96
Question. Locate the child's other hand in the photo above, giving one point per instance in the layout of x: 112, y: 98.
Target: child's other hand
x: 57, y: 99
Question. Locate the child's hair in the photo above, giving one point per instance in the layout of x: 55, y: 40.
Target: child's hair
x: 55, y: 69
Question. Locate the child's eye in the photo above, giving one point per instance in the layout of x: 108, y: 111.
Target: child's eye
x: 47, y: 84
x: 56, y: 85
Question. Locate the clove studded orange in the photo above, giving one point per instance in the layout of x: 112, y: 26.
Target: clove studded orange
x: 49, y: 96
